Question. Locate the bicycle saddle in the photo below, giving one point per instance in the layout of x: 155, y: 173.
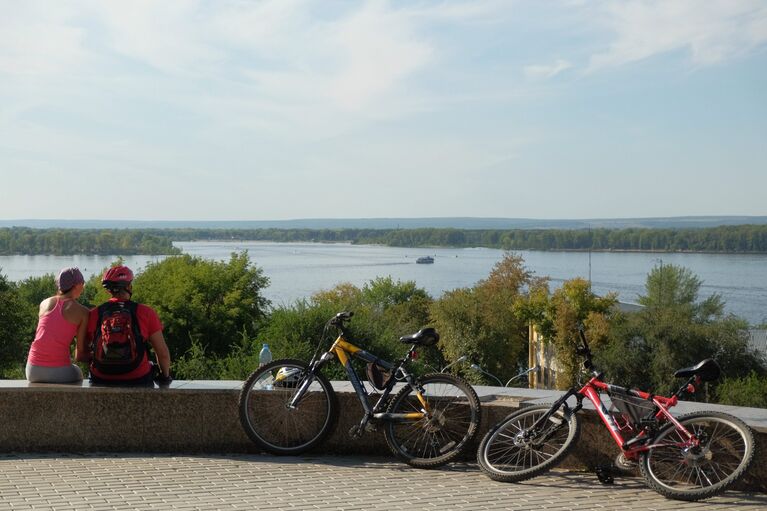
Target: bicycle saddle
x: 423, y: 337
x: 708, y: 370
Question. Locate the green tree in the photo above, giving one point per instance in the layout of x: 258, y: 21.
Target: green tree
x: 675, y: 330
x: 213, y: 303
x: 383, y: 310
x: 750, y: 390
x: 14, y: 330
x: 485, y: 322
x: 557, y: 318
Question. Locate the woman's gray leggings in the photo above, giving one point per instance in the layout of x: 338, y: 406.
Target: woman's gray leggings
x: 65, y: 374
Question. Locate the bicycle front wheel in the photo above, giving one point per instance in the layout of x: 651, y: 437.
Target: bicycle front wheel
x: 677, y: 470
x: 453, y: 421
x: 513, y: 451
x: 268, y: 419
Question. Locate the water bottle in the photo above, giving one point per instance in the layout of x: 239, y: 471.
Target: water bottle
x: 265, y: 356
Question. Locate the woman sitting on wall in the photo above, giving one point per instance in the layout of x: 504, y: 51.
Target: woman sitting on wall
x: 61, y: 319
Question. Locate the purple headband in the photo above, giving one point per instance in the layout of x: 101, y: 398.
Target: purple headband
x: 69, y: 278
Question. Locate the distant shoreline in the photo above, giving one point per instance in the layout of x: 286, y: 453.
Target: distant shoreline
x: 427, y: 247
x: 735, y: 239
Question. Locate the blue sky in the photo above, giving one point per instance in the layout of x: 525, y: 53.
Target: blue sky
x: 283, y: 109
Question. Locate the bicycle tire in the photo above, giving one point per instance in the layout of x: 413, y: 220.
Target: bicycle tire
x: 503, y: 456
x: 274, y: 427
x: 727, y: 453
x: 432, y: 442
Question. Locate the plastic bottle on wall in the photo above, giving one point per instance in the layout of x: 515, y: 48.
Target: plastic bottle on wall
x: 265, y: 356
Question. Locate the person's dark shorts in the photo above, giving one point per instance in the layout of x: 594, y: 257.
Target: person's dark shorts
x: 144, y: 381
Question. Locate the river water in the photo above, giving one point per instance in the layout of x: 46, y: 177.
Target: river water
x: 296, y: 270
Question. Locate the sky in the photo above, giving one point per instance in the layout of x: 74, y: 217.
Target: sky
x: 287, y: 109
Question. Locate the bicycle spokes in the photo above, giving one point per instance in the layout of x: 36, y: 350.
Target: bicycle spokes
x: 718, y: 453
x: 443, y: 432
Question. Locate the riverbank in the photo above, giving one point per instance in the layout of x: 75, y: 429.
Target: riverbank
x: 737, y: 239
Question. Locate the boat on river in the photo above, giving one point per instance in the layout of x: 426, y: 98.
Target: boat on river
x: 425, y: 260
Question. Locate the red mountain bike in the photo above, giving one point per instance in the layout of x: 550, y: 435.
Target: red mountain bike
x: 690, y: 457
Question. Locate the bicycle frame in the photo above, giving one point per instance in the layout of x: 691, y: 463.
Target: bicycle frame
x: 632, y: 447
x: 344, y: 351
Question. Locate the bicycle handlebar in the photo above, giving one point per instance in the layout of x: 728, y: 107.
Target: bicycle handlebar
x: 341, y: 318
x: 584, y: 350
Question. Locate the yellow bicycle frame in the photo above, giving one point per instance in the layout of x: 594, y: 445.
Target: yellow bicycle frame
x: 343, y: 349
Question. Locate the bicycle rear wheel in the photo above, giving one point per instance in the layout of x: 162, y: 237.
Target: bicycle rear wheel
x: 440, y: 438
x: 513, y: 451
x: 683, y: 472
x: 277, y: 428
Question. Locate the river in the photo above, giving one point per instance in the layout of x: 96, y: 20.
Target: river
x: 296, y: 270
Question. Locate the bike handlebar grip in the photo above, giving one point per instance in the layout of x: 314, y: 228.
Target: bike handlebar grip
x: 339, y: 318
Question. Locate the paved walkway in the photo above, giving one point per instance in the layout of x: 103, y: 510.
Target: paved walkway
x: 186, y: 482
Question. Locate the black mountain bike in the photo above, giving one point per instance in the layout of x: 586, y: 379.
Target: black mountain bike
x: 289, y: 407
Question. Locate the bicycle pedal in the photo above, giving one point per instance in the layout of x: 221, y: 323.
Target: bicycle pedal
x: 604, y: 474
x: 355, y: 432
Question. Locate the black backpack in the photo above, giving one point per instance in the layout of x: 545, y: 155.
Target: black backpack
x: 117, y: 346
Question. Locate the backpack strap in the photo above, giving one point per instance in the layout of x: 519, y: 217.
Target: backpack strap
x: 133, y: 308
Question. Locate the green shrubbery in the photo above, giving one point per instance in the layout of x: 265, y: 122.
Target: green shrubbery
x: 674, y: 330
x: 747, y: 391
x: 487, y: 322
x: 383, y: 310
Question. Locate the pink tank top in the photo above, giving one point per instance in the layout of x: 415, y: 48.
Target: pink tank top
x: 52, y: 339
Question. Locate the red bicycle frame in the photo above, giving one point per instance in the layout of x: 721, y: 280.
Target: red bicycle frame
x: 633, y: 446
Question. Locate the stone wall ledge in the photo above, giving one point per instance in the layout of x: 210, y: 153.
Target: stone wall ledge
x: 202, y: 416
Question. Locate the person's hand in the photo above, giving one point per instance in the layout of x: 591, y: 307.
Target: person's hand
x: 159, y: 378
x: 163, y: 380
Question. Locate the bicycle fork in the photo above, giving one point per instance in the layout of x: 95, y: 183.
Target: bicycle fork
x: 530, y: 435
x: 308, y: 379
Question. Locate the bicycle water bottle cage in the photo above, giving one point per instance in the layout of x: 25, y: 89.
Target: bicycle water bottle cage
x: 424, y: 337
x: 707, y: 370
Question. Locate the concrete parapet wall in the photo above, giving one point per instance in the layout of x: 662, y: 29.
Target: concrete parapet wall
x: 203, y: 417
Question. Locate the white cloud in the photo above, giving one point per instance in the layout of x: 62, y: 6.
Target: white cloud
x: 380, y: 49
x: 547, y: 71
x: 711, y: 31
x: 37, y: 39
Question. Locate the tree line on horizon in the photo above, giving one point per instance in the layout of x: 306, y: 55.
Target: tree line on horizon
x: 727, y: 239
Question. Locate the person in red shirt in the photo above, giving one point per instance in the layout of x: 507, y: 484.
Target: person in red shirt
x: 121, y: 358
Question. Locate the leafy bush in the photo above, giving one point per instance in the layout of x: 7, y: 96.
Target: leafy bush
x: 558, y: 316
x: 384, y: 311
x: 209, y: 302
x: 487, y: 323
x: 675, y: 330
x: 19, y: 304
x: 14, y: 330
x: 748, y: 391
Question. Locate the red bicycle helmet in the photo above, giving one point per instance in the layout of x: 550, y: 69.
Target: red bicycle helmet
x: 117, y: 277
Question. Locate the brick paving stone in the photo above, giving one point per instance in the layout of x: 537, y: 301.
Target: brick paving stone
x: 187, y: 483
